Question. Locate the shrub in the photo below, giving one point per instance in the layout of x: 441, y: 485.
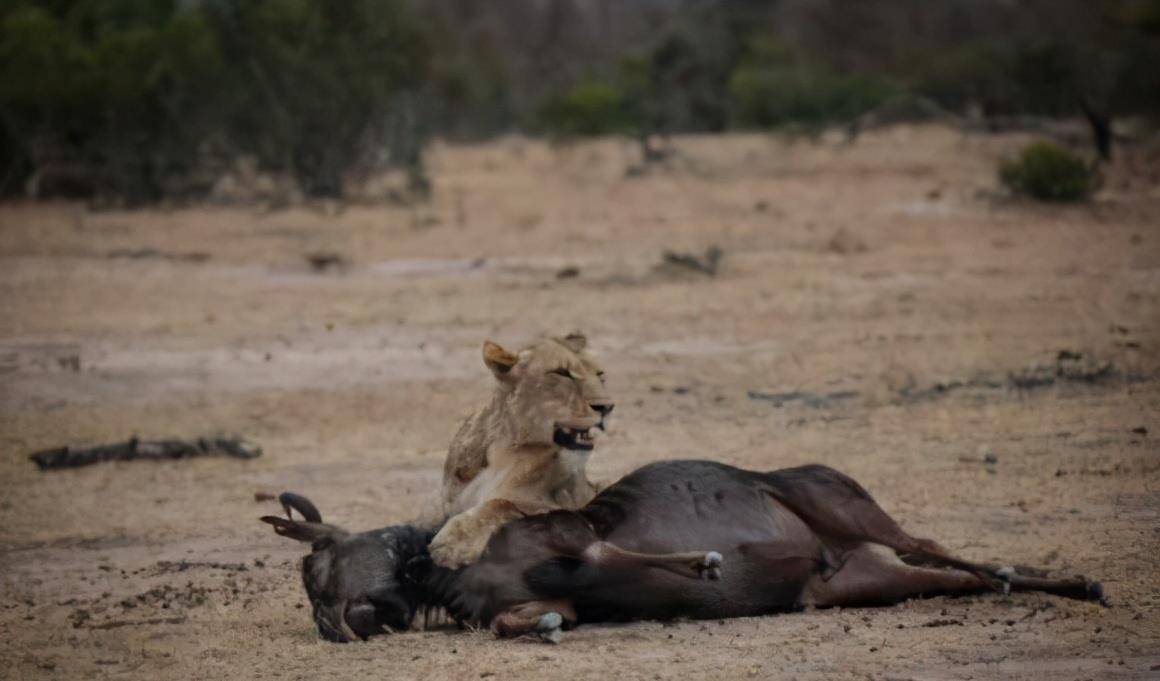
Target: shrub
x: 319, y: 86
x: 674, y: 86
x: 775, y: 95
x: 589, y: 108
x: 1046, y: 77
x: 774, y: 85
x: 1048, y: 172
x: 959, y: 77
x: 678, y: 85
x: 133, y: 98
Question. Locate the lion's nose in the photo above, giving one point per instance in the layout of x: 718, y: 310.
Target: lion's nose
x: 602, y: 408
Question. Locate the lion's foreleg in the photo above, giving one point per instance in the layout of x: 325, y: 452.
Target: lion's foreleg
x: 463, y: 538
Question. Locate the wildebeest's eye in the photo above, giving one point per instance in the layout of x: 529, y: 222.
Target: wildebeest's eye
x: 562, y: 371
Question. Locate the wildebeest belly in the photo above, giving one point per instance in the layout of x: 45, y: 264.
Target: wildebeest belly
x: 769, y: 552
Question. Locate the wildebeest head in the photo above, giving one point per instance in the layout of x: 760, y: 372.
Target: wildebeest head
x: 359, y: 584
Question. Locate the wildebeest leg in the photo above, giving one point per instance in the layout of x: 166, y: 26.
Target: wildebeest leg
x: 1024, y: 578
x: 1076, y: 587
x: 692, y: 564
x: 872, y: 574
x: 534, y: 617
x: 332, y: 625
x: 836, y: 506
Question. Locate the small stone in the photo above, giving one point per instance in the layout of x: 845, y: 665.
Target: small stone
x: 844, y: 242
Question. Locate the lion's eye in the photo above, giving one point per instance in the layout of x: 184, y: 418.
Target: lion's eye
x: 600, y: 375
x: 561, y: 372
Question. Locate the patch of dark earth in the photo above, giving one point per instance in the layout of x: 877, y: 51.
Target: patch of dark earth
x: 814, y: 400
x: 102, y: 612
x: 1069, y: 368
x: 153, y: 253
x: 164, y: 566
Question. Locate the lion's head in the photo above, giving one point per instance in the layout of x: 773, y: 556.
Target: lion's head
x: 551, y: 392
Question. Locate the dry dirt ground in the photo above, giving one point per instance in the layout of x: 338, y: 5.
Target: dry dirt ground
x: 879, y: 308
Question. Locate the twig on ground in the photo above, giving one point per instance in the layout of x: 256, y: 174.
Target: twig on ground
x: 705, y: 265
x: 75, y: 457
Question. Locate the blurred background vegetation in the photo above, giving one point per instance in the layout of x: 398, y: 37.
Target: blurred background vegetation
x: 138, y: 100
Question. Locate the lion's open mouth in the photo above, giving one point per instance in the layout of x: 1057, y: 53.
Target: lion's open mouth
x: 573, y: 438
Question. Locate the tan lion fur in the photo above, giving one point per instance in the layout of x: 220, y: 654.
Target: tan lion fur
x: 504, y: 461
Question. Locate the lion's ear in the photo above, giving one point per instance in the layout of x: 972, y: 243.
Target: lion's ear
x: 497, y: 359
x: 575, y: 341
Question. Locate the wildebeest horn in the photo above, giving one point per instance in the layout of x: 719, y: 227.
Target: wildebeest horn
x: 311, y: 532
x: 311, y: 529
x: 309, y: 511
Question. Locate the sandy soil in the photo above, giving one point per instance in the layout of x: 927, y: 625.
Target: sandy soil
x: 903, y: 351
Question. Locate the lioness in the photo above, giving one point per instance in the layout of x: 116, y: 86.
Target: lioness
x: 526, y: 451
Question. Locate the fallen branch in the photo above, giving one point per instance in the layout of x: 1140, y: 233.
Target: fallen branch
x: 809, y: 399
x: 150, y: 253
x: 705, y: 265
x: 157, y: 450
x: 324, y: 261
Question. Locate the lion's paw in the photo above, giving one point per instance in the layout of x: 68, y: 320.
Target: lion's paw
x: 453, y: 548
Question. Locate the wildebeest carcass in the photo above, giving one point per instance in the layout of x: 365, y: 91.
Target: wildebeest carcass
x: 693, y: 539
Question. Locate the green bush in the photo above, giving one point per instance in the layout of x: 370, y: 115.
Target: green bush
x: 1030, y: 75
x: 776, y: 86
x: 674, y: 86
x: 678, y: 85
x: 319, y: 87
x: 959, y: 77
x: 769, y: 96
x: 133, y: 97
x: 1040, y: 76
x: 589, y: 108
x: 1048, y: 172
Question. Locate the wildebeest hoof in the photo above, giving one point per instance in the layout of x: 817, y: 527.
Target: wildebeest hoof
x: 548, y: 627
x: 550, y: 620
x: 1095, y: 592
x: 1005, y: 573
x: 710, y: 567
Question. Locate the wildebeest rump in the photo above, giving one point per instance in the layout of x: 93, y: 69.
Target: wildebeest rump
x: 694, y: 539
